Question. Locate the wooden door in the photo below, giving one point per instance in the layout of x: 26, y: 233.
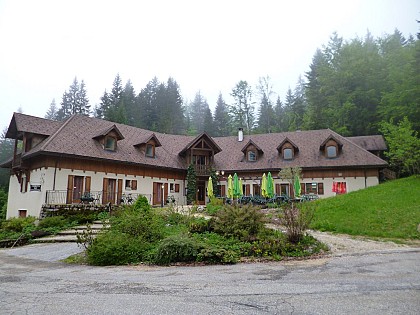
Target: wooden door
x: 201, y: 194
x: 109, y: 190
x: 77, y: 188
x: 157, y: 193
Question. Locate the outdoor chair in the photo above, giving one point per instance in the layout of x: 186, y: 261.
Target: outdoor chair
x: 87, y: 198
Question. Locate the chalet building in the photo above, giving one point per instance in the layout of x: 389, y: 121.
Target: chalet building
x: 88, y: 160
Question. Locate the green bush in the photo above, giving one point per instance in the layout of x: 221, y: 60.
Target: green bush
x: 200, y: 225
x: 142, y: 204
x: 18, y: 224
x: 147, y: 225
x: 57, y: 222
x: 214, y: 206
x: 243, y: 222
x: 114, y: 248
x: 177, y: 248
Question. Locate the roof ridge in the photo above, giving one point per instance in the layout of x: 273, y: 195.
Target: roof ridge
x: 50, y: 138
x: 358, y: 146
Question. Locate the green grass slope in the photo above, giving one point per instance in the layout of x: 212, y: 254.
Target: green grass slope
x: 389, y: 210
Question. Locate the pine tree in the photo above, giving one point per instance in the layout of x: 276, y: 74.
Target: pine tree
x: 52, y: 111
x: 266, y: 117
x: 222, y: 123
x: 74, y: 101
x: 197, y: 111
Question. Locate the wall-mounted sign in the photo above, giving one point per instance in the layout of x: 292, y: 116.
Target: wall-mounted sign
x: 35, y: 187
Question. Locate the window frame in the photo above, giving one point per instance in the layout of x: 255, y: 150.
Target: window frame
x: 287, y: 157
x: 114, y: 143
x: 150, y: 146
x: 251, y: 153
x: 329, y: 154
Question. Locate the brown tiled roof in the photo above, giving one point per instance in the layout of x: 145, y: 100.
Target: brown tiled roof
x: 370, y: 143
x: 75, y: 136
x: 107, y: 130
x: 250, y: 142
x: 25, y: 123
x: 289, y: 141
x: 147, y: 138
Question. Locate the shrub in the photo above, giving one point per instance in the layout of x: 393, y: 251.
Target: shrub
x: 200, y: 225
x: 142, y: 204
x: 177, y: 248
x: 214, y: 206
x: 147, y: 225
x: 114, y: 248
x: 18, y: 224
x: 243, y: 222
x: 297, y: 219
x: 58, y: 222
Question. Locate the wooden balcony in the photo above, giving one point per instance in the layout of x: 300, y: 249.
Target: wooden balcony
x: 202, y: 170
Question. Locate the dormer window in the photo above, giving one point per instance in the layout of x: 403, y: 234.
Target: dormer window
x: 150, y: 150
x: 288, y: 154
x: 110, y: 143
x: 331, y: 151
x: 108, y: 138
x: 252, y: 157
x: 252, y: 152
x: 331, y: 147
x: 287, y: 149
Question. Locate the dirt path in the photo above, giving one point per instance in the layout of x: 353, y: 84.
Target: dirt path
x: 344, y: 244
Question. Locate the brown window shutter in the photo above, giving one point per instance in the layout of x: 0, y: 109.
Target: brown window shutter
x: 166, y: 193
x: 134, y: 184
x: 88, y: 180
x: 223, y: 191
x: 302, y: 188
x: 119, y: 189
x: 247, y: 189
x: 320, y: 188
x: 104, y: 190
x: 70, y: 189
x: 278, y: 189
x: 177, y: 188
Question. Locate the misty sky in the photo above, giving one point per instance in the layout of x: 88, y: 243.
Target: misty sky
x: 204, y: 45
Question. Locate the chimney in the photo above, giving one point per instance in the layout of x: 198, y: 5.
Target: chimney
x: 240, y: 134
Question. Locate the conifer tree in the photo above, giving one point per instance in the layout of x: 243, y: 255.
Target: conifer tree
x: 222, y: 123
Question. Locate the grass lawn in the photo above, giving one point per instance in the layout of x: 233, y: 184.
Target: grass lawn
x: 389, y: 210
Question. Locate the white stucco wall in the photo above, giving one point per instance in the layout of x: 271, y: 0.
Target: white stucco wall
x: 32, y: 201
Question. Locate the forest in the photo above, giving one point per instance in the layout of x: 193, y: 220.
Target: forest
x: 351, y: 86
x: 360, y: 86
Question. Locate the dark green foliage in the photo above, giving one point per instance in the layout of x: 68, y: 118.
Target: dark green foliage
x: 3, y: 204
x: 177, y: 248
x: 200, y: 225
x: 17, y: 224
x: 222, y: 125
x: 116, y: 248
x: 243, y: 222
x: 403, y: 146
x: 58, y: 222
x: 191, y: 184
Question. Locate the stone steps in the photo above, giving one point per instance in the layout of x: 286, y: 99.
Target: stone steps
x: 70, y: 235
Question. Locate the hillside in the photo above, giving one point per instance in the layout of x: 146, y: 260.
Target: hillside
x: 389, y: 210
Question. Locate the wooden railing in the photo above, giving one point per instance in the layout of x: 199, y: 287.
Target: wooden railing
x: 202, y: 170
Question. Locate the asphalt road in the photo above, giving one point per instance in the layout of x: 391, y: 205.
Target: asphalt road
x: 32, y: 281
